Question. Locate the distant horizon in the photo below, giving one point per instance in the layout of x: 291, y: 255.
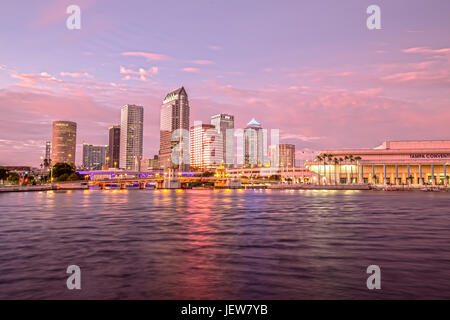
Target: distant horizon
x: 312, y: 70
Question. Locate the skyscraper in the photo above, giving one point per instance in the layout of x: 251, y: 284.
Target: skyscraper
x: 222, y: 122
x: 255, y: 144
x: 131, y: 136
x: 206, y: 147
x: 174, y: 130
x: 113, y: 157
x: 94, y: 157
x: 64, y: 142
x: 282, y: 155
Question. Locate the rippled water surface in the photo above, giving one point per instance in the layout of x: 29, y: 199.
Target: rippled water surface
x: 204, y: 244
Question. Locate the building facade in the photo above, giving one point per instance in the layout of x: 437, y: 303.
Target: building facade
x: 282, y: 155
x: 223, y: 122
x: 64, y: 142
x: 131, y: 136
x: 150, y: 164
x: 174, y: 130
x: 113, y: 157
x: 393, y: 162
x: 255, y: 145
x: 205, y: 147
x: 94, y: 157
x: 48, y: 154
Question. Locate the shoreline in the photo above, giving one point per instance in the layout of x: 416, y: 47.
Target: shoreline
x: 46, y: 187
x: 350, y: 187
x: 387, y: 188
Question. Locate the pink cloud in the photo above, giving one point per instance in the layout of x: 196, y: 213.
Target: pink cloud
x: 427, y: 50
x: 215, y: 48
x: 76, y: 75
x: 30, y: 79
x: 149, y: 72
x: 192, y: 70
x: 300, y: 137
x: 202, y: 62
x: 422, y: 76
x: 252, y: 101
x: 322, y: 75
x: 299, y: 88
x: 141, y: 73
x: 423, y: 64
x: 149, y: 56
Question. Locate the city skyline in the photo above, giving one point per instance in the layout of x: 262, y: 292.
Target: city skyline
x: 226, y: 158
x: 97, y: 157
x: 338, y: 87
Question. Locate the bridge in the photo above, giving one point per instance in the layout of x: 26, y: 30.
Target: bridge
x: 143, y: 182
x: 105, y: 178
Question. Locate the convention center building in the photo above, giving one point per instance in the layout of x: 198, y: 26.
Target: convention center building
x: 393, y: 162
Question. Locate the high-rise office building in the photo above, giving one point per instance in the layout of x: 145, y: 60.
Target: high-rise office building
x: 282, y: 155
x: 206, y: 147
x: 64, y: 142
x: 113, y: 157
x: 255, y: 144
x: 131, y: 136
x: 48, y: 154
x: 174, y: 130
x: 94, y: 157
x: 222, y: 122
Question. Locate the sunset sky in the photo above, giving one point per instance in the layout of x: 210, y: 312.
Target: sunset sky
x: 309, y: 68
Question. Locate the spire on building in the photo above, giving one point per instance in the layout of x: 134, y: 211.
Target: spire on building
x: 253, y: 123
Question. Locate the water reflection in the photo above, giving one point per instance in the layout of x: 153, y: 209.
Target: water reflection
x: 230, y: 244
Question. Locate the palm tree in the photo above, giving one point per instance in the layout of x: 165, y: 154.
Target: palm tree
x: 336, y: 162
x: 47, y: 163
x: 319, y: 159
x: 330, y: 158
x: 350, y: 157
x: 358, y: 159
x: 346, y: 168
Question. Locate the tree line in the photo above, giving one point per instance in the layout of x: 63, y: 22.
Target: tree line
x: 328, y: 158
x: 58, y: 173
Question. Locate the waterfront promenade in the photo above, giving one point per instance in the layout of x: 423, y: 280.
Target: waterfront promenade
x: 25, y: 188
x: 44, y: 187
x: 306, y: 186
x: 361, y: 186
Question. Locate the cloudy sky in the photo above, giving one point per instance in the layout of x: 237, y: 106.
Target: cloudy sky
x: 309, y: 68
